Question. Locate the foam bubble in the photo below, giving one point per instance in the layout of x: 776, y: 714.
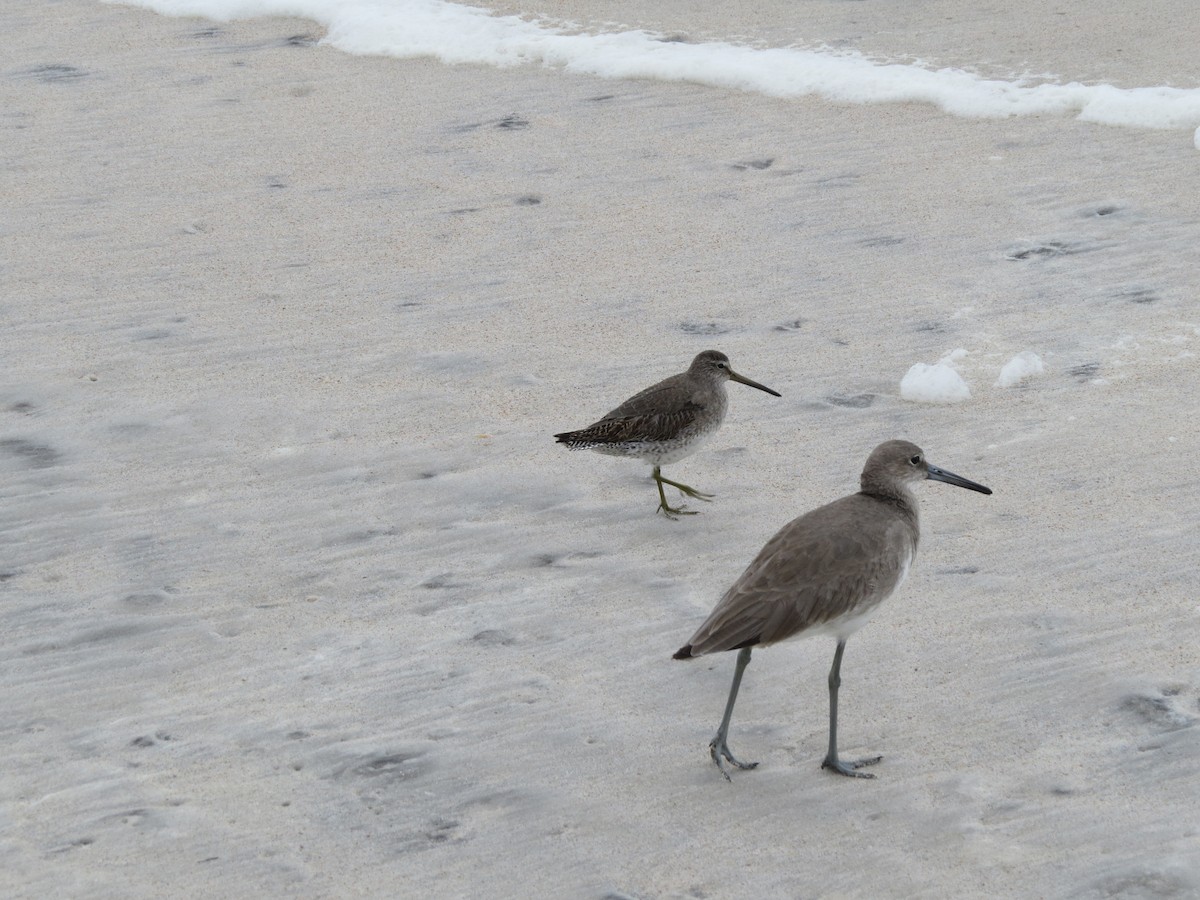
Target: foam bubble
x: 1024, y: 365
x: 937, y: 383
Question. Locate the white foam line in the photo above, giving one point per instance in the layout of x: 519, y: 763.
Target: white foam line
x: 462, y: 34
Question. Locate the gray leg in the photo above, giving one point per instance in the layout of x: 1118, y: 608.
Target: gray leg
x: 669, y: 511
x: 717, y: 748
x: 831, y: 758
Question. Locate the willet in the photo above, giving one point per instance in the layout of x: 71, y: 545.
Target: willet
x: 824, y: 573
x: 666, y: 422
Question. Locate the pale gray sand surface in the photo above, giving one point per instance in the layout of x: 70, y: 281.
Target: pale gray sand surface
x: 299, y: 597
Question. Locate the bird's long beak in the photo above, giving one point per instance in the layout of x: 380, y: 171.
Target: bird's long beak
x: 936, y: 474
x: 734, y: 376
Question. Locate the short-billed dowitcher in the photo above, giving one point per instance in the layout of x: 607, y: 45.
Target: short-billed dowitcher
x: 666, y: 422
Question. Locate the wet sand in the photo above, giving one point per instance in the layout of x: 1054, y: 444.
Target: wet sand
x: 1126, y: 45
x: 300, y: 597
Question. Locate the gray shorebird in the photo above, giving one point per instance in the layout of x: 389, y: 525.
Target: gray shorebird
x: 666, y: 422
x: 824, y: 573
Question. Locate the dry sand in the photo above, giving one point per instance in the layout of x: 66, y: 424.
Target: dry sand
x: 299, y: 597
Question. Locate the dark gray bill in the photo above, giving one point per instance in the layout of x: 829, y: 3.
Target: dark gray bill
x: 942, y: 475
x: 734, y: 376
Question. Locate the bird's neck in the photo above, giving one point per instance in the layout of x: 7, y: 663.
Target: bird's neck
x: 713, y: 399
x: 901, y: 499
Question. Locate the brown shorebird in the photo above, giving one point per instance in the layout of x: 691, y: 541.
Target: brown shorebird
x: 824, y: 573
x: 666, y: 422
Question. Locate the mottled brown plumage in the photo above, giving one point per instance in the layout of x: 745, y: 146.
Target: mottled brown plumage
x: 636, y: 421
x: 667, y: 421
x: 824, y: 572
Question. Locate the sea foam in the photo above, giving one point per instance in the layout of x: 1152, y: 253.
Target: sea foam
x: 454, y: 33
x: 937, y: 383
x: 1022, y: 366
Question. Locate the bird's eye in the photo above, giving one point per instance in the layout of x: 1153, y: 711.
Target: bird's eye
x: 916, y: 460
x: 722, y: 365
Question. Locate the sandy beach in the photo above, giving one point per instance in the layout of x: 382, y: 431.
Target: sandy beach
x: 300, y: 598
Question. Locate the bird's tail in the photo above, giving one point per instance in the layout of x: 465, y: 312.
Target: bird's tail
x: 684, y: 652
x: 573, y: 441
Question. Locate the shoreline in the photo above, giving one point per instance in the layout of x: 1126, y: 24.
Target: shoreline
x: 835, y: 69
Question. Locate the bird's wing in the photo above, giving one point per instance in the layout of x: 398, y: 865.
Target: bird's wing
x: 669, y: 396
x: 658, y: 413
x: 660, y: 426
x: 809, y: 574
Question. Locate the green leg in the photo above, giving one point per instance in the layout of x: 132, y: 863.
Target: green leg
x: 691, y: 492
x: 669, y: 511
x: 718, y: 749
x: 831, y: 758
